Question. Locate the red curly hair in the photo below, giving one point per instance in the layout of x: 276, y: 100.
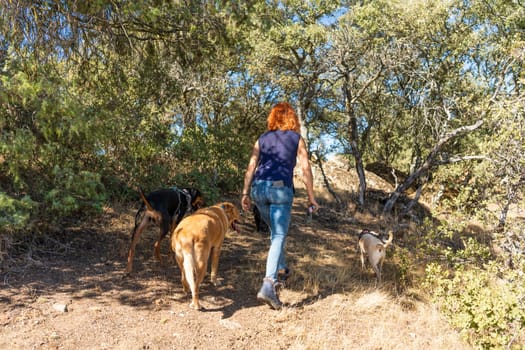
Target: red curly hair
x: 283, y: 117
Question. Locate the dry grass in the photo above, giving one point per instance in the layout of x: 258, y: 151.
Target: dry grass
x: 383, y: 319
x: 334, y: 304
x: 369, y: 320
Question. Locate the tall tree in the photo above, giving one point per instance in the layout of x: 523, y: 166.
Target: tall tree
x: 289, y: 42
x: 356, y: 65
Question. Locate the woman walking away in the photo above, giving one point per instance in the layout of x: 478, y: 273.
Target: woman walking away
x: 269, y: 183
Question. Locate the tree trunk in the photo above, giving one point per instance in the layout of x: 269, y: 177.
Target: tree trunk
x: 360, y: 173
x: 429, y: 162
x: 302, y: 121
x: 511, y: 195
x: 354, y: 138
x: 416, y: 198
x: 350, y: 100
x: 325, y: 180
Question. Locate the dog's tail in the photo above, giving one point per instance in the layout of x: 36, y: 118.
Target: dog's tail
x: 148, y: 205
x: 390, y: 238
x: 190, y: 268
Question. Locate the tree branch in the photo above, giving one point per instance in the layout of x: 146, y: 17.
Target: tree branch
x: 429, y: 162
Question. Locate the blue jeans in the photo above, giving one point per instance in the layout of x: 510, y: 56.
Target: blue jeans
x: 275, y: 205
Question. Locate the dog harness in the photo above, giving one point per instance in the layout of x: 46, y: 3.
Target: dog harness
x: 188, y: 199
x: 188, y: 202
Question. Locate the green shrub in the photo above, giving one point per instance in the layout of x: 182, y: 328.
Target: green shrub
x: 213, y: 160
x: 485, y: 304
x: 15, y: 213
x: 403, y: 259
x: 447, y: 243
x: 74, y: 192
x: 198, y: 180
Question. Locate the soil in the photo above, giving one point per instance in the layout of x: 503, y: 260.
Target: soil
x: 69, y: 292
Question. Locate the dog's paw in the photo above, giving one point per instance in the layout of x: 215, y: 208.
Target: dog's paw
x: 216, y: 282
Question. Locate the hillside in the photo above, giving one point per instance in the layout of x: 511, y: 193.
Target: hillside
x: 69, y: 291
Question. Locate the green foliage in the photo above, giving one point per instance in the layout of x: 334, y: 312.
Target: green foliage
x: 485, y: 304
x: 75, y: 192
x: 404, y: 261
x: 46, y: 124
x: 481, y: 294
x: 212, y: 160
x: 467, y: 187
x: 448, y: 243
x: 15, y: 214
x: 433, y: 239
x: 19, y: 145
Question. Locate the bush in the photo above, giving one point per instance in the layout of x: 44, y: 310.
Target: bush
x: 74, y: 192
x: 15, y: 213
x: 486, y: 304
x: 213, y: 160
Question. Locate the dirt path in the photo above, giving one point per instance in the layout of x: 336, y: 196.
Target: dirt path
x: 72, y: 296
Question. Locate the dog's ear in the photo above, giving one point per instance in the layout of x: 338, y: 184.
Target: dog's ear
x: 197, y: 201
x: 231, y: 210
x: 227, y: 207
x: 196, y: 193
x: 233, y: 214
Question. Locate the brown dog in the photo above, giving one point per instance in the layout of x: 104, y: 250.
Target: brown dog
x: 196, y: 238
x: 164, y: 208
x: 375, y: 248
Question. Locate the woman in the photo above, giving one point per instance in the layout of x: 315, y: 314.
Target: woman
x: 269, y: 182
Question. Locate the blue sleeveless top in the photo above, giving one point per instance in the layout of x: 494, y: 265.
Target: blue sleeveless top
x: 277, y: 156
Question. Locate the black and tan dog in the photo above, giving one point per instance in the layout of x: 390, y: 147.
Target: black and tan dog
x: 164, y: 208
x: 196, y: 238
x: 260, y: 225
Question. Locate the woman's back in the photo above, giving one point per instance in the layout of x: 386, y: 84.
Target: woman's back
x: 278, y: 156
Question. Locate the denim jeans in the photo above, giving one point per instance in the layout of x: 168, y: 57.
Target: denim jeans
x: 275, y: 205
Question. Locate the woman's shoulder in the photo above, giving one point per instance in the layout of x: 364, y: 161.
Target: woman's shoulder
x: 290, y: 133
x: 294, y: 134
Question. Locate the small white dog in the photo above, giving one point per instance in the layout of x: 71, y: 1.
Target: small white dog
x: 375, y: 248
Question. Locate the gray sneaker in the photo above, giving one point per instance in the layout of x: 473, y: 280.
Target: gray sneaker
x: 268, y: 295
